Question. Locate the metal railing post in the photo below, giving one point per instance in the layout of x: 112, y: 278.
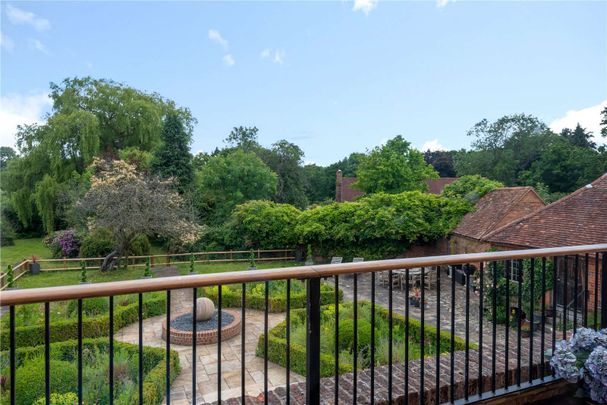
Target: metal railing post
x: 313, y: 342
x: 604, y: 291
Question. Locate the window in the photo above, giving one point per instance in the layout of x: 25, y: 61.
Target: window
x: 516, y: 271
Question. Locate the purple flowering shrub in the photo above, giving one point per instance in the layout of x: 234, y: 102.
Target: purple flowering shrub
x: 63, y: 243
x: 584, y: 358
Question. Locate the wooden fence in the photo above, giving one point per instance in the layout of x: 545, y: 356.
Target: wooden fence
x: 160, y: 260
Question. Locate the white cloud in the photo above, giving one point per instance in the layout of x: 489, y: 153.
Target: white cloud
x: 228, y: 60
x: 364, y: 5
x: 589, y: 118
x: 443, y: 3
x: 432, y: 145
x: 215, y: 36
x: 39, y: 46
x: 276, y: 55
x: 18, y: 16
x: 6, y: 42
x: 17, y: 109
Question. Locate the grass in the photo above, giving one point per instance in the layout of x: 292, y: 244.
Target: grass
x: 21, y: 250
x: 72, y: 277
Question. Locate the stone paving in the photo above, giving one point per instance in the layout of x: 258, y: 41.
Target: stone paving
x: 206, y: 357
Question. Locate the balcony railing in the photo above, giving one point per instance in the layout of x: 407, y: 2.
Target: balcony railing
x: 483, y: 339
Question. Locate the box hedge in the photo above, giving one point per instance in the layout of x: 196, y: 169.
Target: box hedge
x: 154, y: 365
x: 92, y: 327
x: 277, y: 344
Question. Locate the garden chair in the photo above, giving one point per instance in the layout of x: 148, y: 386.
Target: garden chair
x: 336, y: 260
x: 430, y: 278
x: 358, y: 259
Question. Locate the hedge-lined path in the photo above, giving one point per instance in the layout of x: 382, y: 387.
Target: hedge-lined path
x: 206, y: 363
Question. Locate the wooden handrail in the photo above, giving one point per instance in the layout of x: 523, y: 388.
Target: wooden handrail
x: 37, y: 295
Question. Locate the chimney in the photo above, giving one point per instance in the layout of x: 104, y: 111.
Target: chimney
x: 338, y: 186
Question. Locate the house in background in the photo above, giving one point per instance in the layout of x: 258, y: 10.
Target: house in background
x: 494, y: 210
x: 577, y: 219
x: 344, y: 192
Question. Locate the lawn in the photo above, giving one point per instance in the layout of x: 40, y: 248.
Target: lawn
x: 21, y: 250
x: 72, y: 277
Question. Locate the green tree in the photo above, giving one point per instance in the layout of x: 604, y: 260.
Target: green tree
x: 604, y: 122
x: 285, y: 160
x: 393, y: 168
x: 6, y: 154
x: 231, y: 179
x: 579, y: 137
x: 173, y: 158
x: 244, y: 138
x: 442, y: 161
x: 470, y: 188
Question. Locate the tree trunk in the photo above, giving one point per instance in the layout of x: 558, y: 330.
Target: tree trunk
x: 109, y: 262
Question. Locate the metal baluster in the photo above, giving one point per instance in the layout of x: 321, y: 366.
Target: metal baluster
x: 604, y: 293
x: 494, y: 327
x: 336, y: 372
x: 194, y: 333
x: 168, y: 351
x: 140, y: 316
x: 372, y: 338
x: 111, y: 349
x: 79, y: 302
x: 596, y: 290
x: 481, y: 314
x: 13, y: 357
x: 219, y: 323
x: 586, y: 268
x: 566, y: 273
x: 242, y: 343
x: 575, y: 289
x: 543, y: 325
x: 265, y: 343
x: 519, y: 322
x: 406, y: 365
x: 467, y: 333
x: 47, y: 353
x: 355, y: 315
x: 507, y: 337
x: 438, y: 338
x: 452, y: 365
x: 554, y: 295
x: 532, y: 322
x: 313, y: 342
x: 422, y: 390
x: 288, y: 336
x: 390, y: 335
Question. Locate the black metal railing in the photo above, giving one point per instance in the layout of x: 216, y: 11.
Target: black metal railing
x: 484, y: 338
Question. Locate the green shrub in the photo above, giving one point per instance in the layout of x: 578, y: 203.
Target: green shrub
x: 29, y: 379
x: 277, y: 300
x: 346, y: 334
x: 140, y: 246
x: 69, y: 398
x: 90, y: 307
x: 98, y: 243
x: 95, y: 326
x: 7, y: 231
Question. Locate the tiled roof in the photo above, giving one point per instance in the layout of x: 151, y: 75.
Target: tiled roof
x: 435, y: 186
x: 491, y: 210
x: 577, y: 219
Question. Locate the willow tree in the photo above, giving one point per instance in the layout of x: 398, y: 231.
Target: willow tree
x: 89, y: 118
x: 128, y: 203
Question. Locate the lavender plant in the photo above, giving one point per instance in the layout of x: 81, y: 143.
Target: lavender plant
x: 584, y: 359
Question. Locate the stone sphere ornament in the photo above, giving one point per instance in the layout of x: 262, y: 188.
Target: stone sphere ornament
x: 205, y: 309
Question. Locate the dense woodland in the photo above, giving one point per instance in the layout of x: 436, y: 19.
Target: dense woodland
x: 107, y: 151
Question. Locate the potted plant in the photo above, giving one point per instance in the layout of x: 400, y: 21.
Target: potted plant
x: 192, y: 264
x: 147, y: 273
x: 582, y: 360
x: 252, y: 265
x: 83, y: 277
x: 309, y: 257
x: 34, y: 266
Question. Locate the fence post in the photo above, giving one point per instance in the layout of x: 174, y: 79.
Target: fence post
x: 313, y: 342
x: 603, y: 291
x: 152, y: 261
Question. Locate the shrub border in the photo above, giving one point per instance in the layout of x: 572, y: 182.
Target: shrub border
x: 92, y: 327
x: 277, y: 344
x: 231, y: 296
x: 154, y: 365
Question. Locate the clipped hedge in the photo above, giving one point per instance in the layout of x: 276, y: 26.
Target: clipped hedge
x: 92, y: 327
x: 232, y: 297
x: 154, y: 364
x: 277, y: 344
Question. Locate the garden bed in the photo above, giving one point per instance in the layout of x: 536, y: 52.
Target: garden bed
x: 29, y: 379
x: 277, y: 300
x: 29, y: 318
x: 277, y: 344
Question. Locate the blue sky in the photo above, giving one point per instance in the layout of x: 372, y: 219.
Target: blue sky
x: 333, y: 77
